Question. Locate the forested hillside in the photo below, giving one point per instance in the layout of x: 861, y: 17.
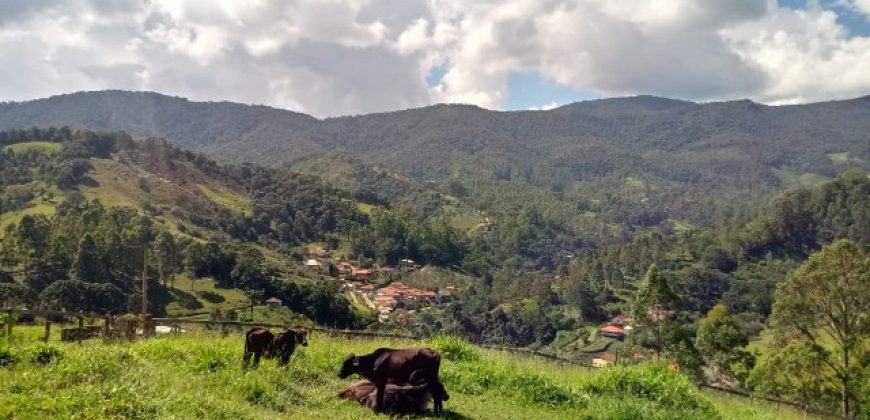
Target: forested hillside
x: 599, y: 169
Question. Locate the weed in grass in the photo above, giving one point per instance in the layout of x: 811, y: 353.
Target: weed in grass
x: 44, y: 354
x: 7, y: 357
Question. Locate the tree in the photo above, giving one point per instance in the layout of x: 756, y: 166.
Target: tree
x: 33, y: 239
x: 13, y: 294
x: 793, y: 373
x: 68, y: 295
x: 168, y: 257
x: 720, y: 342
x: 653, y: 309
x: 825, y: 304
x: 88, y: 265
x: 248, y: 272
x: 254, y: 297
x: 655, y: 296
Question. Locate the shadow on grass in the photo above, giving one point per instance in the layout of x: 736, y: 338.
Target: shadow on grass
x: 447, y: 414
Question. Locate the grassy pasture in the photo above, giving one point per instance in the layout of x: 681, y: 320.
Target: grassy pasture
x: 198, y: 375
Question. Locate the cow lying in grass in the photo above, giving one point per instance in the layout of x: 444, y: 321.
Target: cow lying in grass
x: 260, y: 341
x: 414, y: 367
x: 401, y: 399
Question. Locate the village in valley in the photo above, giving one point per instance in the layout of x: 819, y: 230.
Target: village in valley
x: 384, y: 289
x: 380, y: 287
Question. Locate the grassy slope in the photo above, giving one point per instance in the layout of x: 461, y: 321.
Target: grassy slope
x: 40, y: 146
x: 198, y: 375
x: 16, y: 216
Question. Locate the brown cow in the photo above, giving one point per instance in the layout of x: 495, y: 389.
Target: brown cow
x: 399, y: 399
x: 260, y: 341
x: 402, y: 399
x: 385, y: 366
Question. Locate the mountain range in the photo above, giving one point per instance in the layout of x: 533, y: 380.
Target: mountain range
x: 653, y: 155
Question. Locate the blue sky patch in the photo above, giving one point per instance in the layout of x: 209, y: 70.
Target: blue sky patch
x: 529, y: 90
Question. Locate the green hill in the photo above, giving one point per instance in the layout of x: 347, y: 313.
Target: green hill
x: 199, y: 375
x: 600, y: 170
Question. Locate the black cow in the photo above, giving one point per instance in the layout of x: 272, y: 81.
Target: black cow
x: 260, y: 341
x: 399, y: 367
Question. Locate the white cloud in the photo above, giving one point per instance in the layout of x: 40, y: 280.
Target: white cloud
x: 332, y: 57
x: 863, y: 6
x: 547, y: 107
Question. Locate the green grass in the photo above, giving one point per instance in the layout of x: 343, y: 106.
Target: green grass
x: 228, y: 199
x: 39, y: 146
x: 199, y: 375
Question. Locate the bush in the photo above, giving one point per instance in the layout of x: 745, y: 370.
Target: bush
x: 210, y: 296
x: 454, y: 349
x: 44, y: 354
x: 7, y: 357
x: 655, y: 383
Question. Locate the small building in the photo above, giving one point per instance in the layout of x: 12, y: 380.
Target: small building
x: 273, y: 302
x: 620, y: 321
x: 363, y: 273
x: 601, y: 363
x: 612, y: 331
x: 312, y: 264
x: 345, y: 267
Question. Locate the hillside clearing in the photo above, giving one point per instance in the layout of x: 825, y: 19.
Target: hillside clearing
x: 227, y: 199
x: 39, y: 146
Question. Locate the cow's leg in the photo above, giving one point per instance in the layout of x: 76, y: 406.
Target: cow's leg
x: 438, y: 405
x: 285, y: 358
x: 381, y: 393
x: 437, y: 390
x: 257, y: 355
x: 245, y: 360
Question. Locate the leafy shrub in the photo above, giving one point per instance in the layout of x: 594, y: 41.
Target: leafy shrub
x: 454, y: 349
x: 650, y: 382
x: 44, y: 354
x: 210, y: 296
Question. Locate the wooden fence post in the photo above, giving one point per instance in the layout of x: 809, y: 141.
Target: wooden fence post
x: 106, y: 328
x: 81, y: 329
x: 47, y: 331
x: 9, y: 323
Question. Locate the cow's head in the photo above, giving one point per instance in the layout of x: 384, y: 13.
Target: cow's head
x: 349, y: 367
x: 301, y: 337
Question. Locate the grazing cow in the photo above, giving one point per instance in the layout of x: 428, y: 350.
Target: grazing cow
x: 260, y: 341
x: 385, y: 366
x: 402, y: 399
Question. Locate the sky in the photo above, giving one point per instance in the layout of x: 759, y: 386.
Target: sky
x: 345, y: 57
